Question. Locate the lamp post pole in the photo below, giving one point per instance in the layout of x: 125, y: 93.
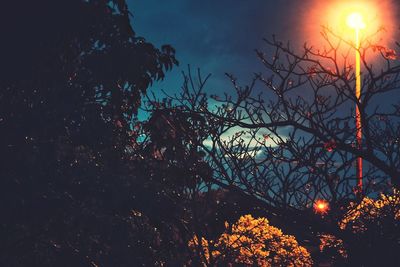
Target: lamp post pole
x: 355, y: 21
x: 359, y: 167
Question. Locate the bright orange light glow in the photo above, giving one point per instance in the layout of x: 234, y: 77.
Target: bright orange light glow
x: 355, y: 21
x: 343, y: 17
x: 321, y: 206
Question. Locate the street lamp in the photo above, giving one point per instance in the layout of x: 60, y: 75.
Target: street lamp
x: 321, y: 206
x: 355, y: 21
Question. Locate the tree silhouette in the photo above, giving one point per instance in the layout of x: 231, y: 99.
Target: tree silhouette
x: 174, y: 173
x: 73, y: 73
x: 288, y: 138
x: 84, y: 183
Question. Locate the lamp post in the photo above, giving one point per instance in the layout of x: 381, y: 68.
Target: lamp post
x: 355, y: 21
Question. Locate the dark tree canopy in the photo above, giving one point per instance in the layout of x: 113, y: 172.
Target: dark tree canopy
x: 72, y: 76
x: 81, y: 52
x: 83, y: 182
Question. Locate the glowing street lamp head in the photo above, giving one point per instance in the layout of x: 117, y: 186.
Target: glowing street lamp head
x: 355, y: 21
x: 347, y: 18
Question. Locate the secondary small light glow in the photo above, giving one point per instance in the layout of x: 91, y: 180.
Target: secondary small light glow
x: 321, y: 206
x: 355, y: 21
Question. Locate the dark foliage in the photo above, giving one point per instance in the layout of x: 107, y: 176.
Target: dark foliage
x: 73, y: 73
x: 287, y: 139
x: 83, y: 183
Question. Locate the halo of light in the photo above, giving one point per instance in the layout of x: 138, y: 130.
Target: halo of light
x: 378, y: 21
x: 355, y: 21
x: 321, y: 206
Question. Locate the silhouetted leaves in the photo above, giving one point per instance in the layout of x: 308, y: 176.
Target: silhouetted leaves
x: 73, y: 73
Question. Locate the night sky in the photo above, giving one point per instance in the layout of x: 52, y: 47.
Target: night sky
x: 216, y: 36
x: 220, y: 36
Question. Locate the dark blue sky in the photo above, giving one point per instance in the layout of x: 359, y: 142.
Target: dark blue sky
x: 220, y: 36
x: 217, y: 36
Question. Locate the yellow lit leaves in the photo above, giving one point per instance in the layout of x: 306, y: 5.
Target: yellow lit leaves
x: 251, y: 242
x: 370, y: 210
x: 332, y: 245
x: 204, y: 248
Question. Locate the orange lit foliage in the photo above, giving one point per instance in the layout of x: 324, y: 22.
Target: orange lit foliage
x: 372, y: 212
x: 251, y: 242
x: 332, y: 246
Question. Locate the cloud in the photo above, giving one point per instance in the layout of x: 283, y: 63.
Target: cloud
x: 255, y: 145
